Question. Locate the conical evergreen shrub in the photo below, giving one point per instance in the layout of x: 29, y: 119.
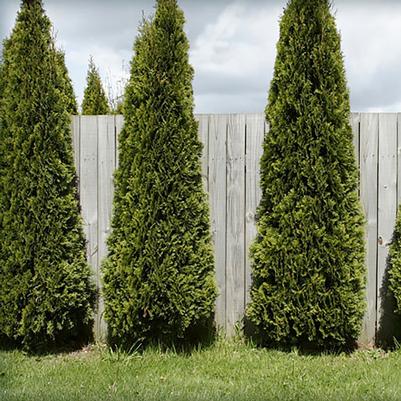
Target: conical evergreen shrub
x: 95, y: 100
x: 66, y: 84
x: 46, y: 293
x: 308, y: 258
x: 159, y: 283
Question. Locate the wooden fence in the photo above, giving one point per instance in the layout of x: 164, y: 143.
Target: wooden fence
x: 232, y: 149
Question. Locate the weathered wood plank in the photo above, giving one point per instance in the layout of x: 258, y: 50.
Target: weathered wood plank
x: 399, y: 159
x: 235, y: 258
x: 89, y: 188
x: 217, y: 199
x: 387, y: 208
x: 255, y: 129
x: 369, y: 134
x: 397, y: 318
x: 106, y: 166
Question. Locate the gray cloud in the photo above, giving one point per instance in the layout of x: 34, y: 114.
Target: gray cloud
x: 232, y: 46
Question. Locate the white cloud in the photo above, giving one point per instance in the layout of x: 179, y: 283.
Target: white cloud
x: 236, y: 55
x: 232, y: 52
x: 242, y: 41
x: 371, y: 44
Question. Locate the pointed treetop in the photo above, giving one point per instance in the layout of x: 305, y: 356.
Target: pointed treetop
x: 31, y: 2
x: 171, y: 8
x: 308, y: 3
x: 166, y: 2
x: 65, y: 83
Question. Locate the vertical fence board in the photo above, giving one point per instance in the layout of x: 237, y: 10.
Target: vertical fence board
x: 397, y: 319
x: 106, y: 165
x: 387, y: 207
x: 368, y: 187
x: 217, y: 199
x: 203, y: 128
x: 88, y: 189
x: 255, y: 129
x: 398, y: 159
x: 235, y: 257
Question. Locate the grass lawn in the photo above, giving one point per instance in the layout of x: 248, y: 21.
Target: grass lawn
x: 225, y: 371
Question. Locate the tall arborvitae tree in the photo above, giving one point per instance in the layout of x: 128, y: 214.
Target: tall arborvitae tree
x: 159, y: 281
x: 46, y: 294
x: 66, y: 84
x: 95, y: 100
x: 308, y: 258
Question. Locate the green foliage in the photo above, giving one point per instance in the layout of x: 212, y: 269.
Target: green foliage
x: 119, y: 108
x: 394, y: 270
x: 95, y: 100
x: 308, y: 258
x: 65, y: 85
x: 159, y: 281
x: 46, y: 294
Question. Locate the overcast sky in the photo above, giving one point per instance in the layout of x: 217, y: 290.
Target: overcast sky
x: 233, y: 46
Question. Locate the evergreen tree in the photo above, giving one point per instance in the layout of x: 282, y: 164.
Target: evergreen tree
x: 46, y: 293
x: 159, y: 281
x: 308, y: 258
x: 95, y: 100
x: 66, y: 84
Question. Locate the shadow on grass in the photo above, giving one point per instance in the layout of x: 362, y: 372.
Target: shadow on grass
x: 200, y: 336
x: 302, y: 346
x: 64, y: 342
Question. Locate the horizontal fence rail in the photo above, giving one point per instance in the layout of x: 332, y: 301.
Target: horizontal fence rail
x: 230, y: 163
